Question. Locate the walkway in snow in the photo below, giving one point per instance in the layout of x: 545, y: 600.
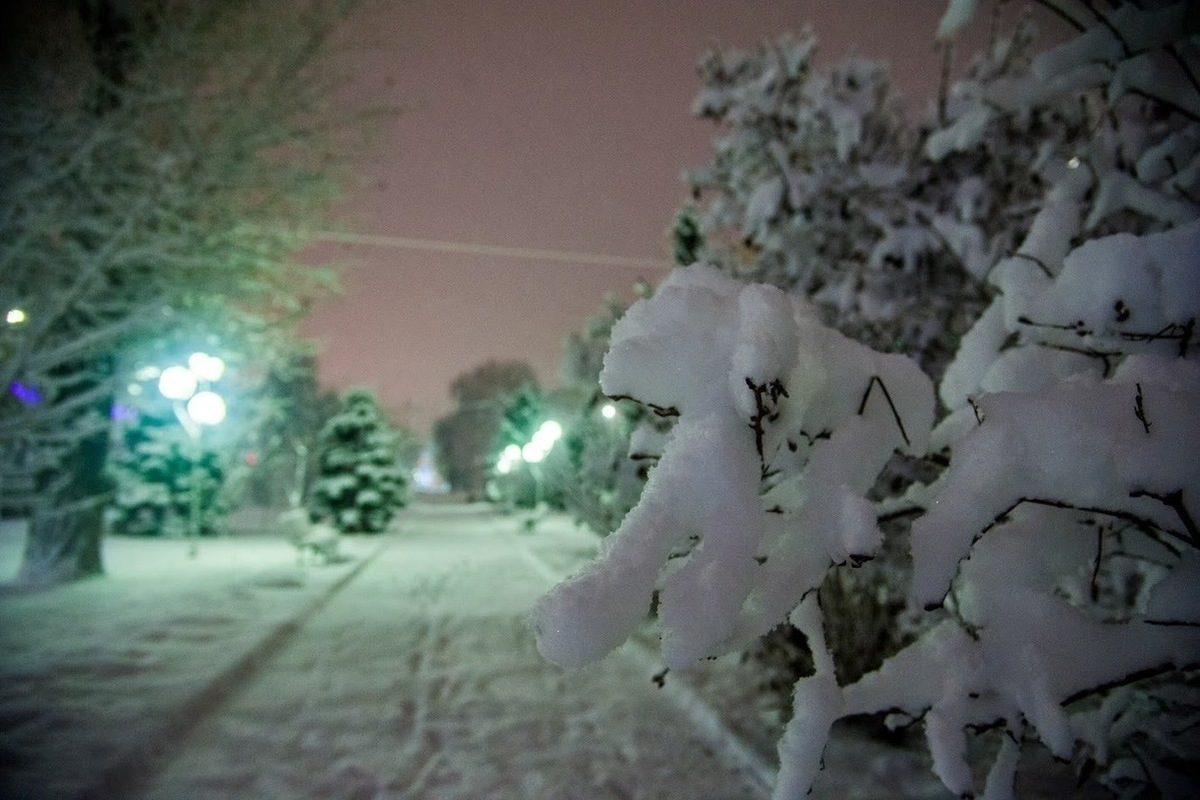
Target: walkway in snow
x: 420, y: 679
x: 408, y: 671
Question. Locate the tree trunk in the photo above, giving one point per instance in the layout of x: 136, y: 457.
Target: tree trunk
x: 63, y: 542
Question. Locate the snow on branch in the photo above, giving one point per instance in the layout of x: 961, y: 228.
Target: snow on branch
x: 760, y: 372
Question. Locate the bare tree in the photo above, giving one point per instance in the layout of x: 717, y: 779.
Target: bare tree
x: 169, y: 174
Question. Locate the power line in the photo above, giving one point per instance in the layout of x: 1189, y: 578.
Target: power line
x: 467, y: 248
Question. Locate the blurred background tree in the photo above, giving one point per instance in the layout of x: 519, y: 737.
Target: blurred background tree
x: 465, y: 439
x: 360, y: 484
x: 154, y: 154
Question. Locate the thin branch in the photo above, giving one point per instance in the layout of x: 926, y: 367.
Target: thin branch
x: 1055, y: 9
x: 1147, y: 527
x: 1174, y: 501
x: 1139, y: 409
x: 875, y: 379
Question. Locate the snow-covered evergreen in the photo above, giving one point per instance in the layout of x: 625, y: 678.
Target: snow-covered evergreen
x: 1058, y: 553
x: 156, y: 474
x: 360, y: 484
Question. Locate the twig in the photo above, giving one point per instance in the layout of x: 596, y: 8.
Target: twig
x: 1139, y: 410
x: 875, y: 379
x: 1174, y: 501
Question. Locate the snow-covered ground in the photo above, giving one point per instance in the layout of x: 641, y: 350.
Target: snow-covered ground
x: 407, y: 671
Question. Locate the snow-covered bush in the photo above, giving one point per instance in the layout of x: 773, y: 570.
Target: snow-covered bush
x: 155, y: 474
x: 1059, y: 552
x: 359, y: 485
x: 782, y: 427
x: 818, y: 187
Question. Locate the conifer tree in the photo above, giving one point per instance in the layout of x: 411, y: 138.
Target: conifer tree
x: 359, y: 485
x: 155, y: 477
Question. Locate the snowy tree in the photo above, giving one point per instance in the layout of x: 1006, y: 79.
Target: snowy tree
x: 817, y: 186
x: 294, y: 410
x: 161, y: 479
x: 359, y: 483
x: 1058, y: 555
x: 466, y: 436
x: 166, y: 153
x: 598, y: 471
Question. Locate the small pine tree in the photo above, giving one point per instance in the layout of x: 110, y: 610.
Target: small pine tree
x: 359, y: 485
x: 154, y: 477
x: 687, y: 238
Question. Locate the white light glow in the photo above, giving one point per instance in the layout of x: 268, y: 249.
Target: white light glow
x: 177, y: 383
x: 206, y: 408
x: 547, y: 435
x: 608, y: 411
x: 206, y: 367
x: 532, y: 452
x: 15, y: 316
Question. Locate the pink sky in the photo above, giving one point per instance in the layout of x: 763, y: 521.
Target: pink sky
x: 544, y: 124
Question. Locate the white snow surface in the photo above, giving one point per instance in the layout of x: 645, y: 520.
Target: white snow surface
x: 417, y: 679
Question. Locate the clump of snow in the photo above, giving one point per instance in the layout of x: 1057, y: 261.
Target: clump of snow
x: 780, y: 395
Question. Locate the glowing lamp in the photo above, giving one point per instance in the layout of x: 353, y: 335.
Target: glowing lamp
x: 206, y: 408
x: 177, y: 383
x: 206, y: 367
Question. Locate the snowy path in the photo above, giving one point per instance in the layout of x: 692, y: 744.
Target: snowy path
x: 420, y: 679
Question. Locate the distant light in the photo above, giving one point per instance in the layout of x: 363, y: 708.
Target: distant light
x: 512, y: 453
x: 251, y: 458
x: 123, y: 413
x: 15, y: 316
x: 206, y: 408
x: 1073, y: 162
x: 206, y: 367
x: 134, y: 389
x: 608, y: 411
x: 547, y: 434
x: 147, y: 373
x: 177, y: 383
x: 29, y: 395
x: 533, y: 453
x: 504, y: 466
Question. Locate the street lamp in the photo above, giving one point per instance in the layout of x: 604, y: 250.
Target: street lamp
x: 194, y: 408
x: 532, y: 453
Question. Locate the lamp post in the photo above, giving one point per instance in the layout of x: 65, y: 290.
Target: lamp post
x: 532, y: 453
x: 195, y: 407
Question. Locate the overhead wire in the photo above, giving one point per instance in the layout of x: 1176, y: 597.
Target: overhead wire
x: 500, y: 251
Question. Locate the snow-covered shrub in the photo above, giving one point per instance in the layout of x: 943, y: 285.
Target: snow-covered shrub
x: 782, y: 427
x: 1116, y: 109
x: 155, y: 473
x: 819, y: 187
x: 359, y: 485
x: 1059, y: 551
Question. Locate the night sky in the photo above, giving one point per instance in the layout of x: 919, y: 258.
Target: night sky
x: 543, y: 125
